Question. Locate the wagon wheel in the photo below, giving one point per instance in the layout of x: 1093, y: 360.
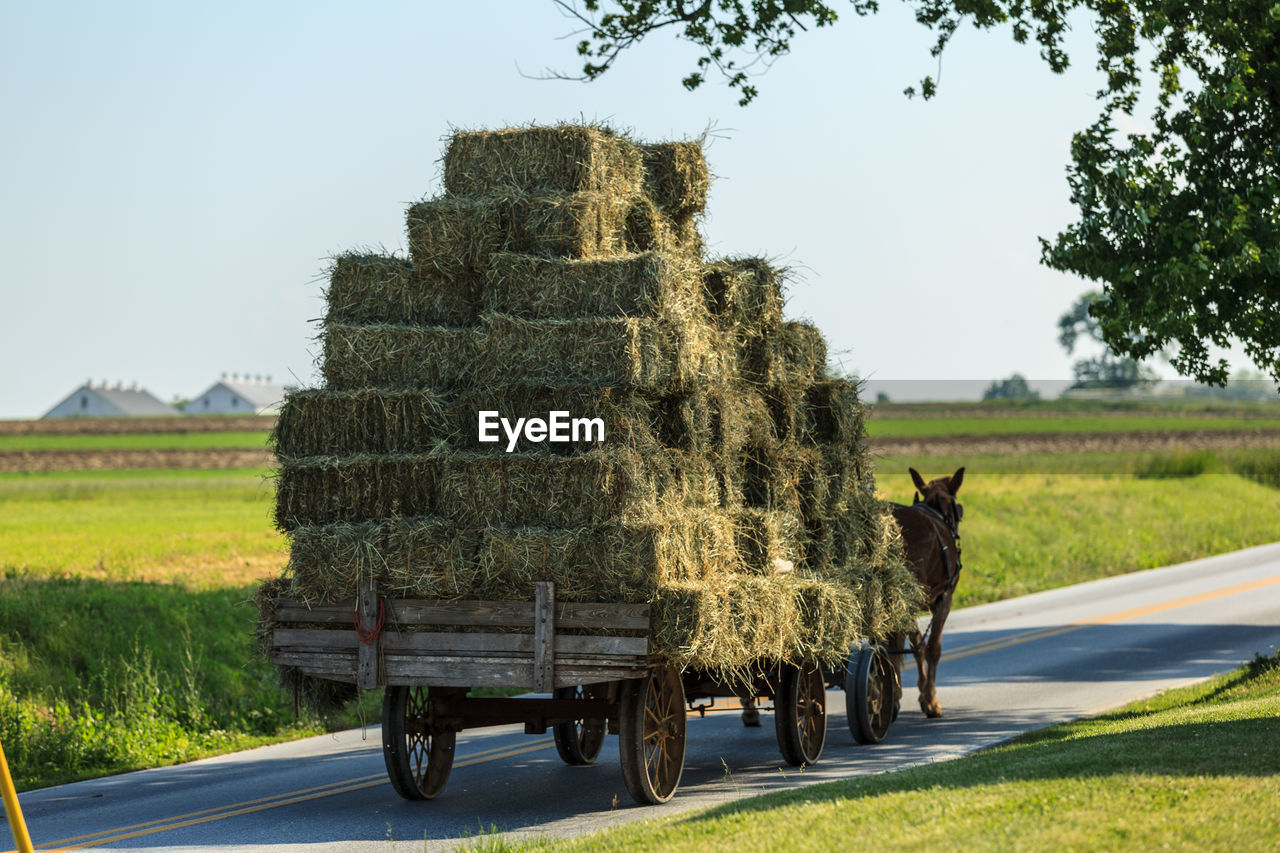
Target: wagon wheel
x: 870, y: 689
x: 651, y: 735
x: 418, y: 762
x: 800, y: 715
x: 578, y: 742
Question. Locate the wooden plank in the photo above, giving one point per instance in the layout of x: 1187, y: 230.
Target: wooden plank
x: 368, y: 609
x: 507, y: 614
x: 407, y: 611
x: 315, y: 638
x: 291, y: 611
x: 588, y: 645
x: 544, y: 637
x: 620, y: 617
x: 423, y: 642
x: 321, y: 664
x: 570, y: 676
x: 432, y: 643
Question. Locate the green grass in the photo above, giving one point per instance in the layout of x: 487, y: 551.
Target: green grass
x: 126, y: 621
x: 1004, y: 424
x: 137, y: 441
x: 1194, y: 769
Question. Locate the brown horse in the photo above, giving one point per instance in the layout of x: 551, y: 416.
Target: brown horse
x: 931, y: 535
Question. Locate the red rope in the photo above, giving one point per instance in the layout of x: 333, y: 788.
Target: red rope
x: 366, y: 634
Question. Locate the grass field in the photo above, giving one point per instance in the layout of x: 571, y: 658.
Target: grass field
x: 127, y: 632
x: 135, y: 441
x: 1193, y: 769
x: 886, y: 426
x: 126, y: 625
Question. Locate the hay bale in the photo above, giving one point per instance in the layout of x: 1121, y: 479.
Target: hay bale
x: 318, y: 422
x: 744, y: 295
x: 648, y: 228
x: 369, y: 288
x: 563, y: 158
x: 649, y: 284
x: 604, y: 351
x: 572, y: 491
x: 452, y: 238
x: 326, y: 489
x: 833, y: 414
x: 416, y: 557
x: 676, y: 177
x: 401, y: 357
x: 795, y: 354
x: 624, y: 562
x: 767, y: 542
x: 723, y: 624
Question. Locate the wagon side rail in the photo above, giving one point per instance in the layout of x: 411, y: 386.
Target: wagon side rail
x: 372, y: 642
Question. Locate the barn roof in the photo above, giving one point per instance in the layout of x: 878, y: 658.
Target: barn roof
x: 127, y: 400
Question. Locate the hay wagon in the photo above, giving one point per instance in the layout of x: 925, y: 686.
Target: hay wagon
x: 592, y: 658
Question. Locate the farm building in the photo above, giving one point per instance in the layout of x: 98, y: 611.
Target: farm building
x: 93, y: 400
x: 239, y: 395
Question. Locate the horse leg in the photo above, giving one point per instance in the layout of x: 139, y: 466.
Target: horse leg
x: 917, y: 651
x: 932, y: 654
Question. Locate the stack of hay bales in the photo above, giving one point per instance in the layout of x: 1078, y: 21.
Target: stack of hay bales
x: 562, y: 271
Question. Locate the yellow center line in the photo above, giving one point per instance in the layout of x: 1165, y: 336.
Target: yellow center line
x: 1109, y: 618
x: 263, y: 803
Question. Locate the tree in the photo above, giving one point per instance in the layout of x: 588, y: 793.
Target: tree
x: 1181, y: 226
x: 1105, y: 370
x: 1013, y: 388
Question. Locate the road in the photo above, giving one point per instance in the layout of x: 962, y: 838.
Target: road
x: 1009, y: 667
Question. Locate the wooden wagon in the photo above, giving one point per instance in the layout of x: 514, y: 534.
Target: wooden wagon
x: 592, y: 658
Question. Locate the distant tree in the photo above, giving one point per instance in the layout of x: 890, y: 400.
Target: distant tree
x: 180, y: 403
x: 1105, y: 370
x: 882, y: 396
x: 1013, y: 388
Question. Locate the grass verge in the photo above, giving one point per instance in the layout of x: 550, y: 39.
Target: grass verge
x: 126, y: 622
x: 1196, y: 768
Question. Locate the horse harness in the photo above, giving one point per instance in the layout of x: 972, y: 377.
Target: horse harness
x: 950, y: 556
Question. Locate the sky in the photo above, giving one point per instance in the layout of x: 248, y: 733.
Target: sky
x: 175, y: 176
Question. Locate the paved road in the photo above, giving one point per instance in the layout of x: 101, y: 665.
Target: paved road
x: 1010, y: 666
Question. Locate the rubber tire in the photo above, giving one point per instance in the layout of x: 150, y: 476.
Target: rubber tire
x: 798, y: 691
x: 662, y: 691
x: 420, y: 782
x: 870, y: 679
x: 578, y: 742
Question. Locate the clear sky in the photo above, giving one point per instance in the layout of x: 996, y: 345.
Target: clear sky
x: 174, y: 176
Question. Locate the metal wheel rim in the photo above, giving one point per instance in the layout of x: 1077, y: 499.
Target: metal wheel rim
x: 589, y: 733
x: 879, y: 696
x: 418, y: 761
x: 663, y: 735
x: 811, y: 712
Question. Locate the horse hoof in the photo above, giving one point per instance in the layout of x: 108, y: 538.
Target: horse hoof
x: 751, y: 718
x: 932, y: 710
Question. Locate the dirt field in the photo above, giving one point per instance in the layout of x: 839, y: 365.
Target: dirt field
x: 123, y: 426
x: 104, y: 460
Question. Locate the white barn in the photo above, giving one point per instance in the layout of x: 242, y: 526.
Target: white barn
x: 91, y: 400
x: 239, y: 395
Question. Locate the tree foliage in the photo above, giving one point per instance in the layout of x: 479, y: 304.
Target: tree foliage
x: 1180, y: 223
x: 1013, y: 388
x: 1104, y: 370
